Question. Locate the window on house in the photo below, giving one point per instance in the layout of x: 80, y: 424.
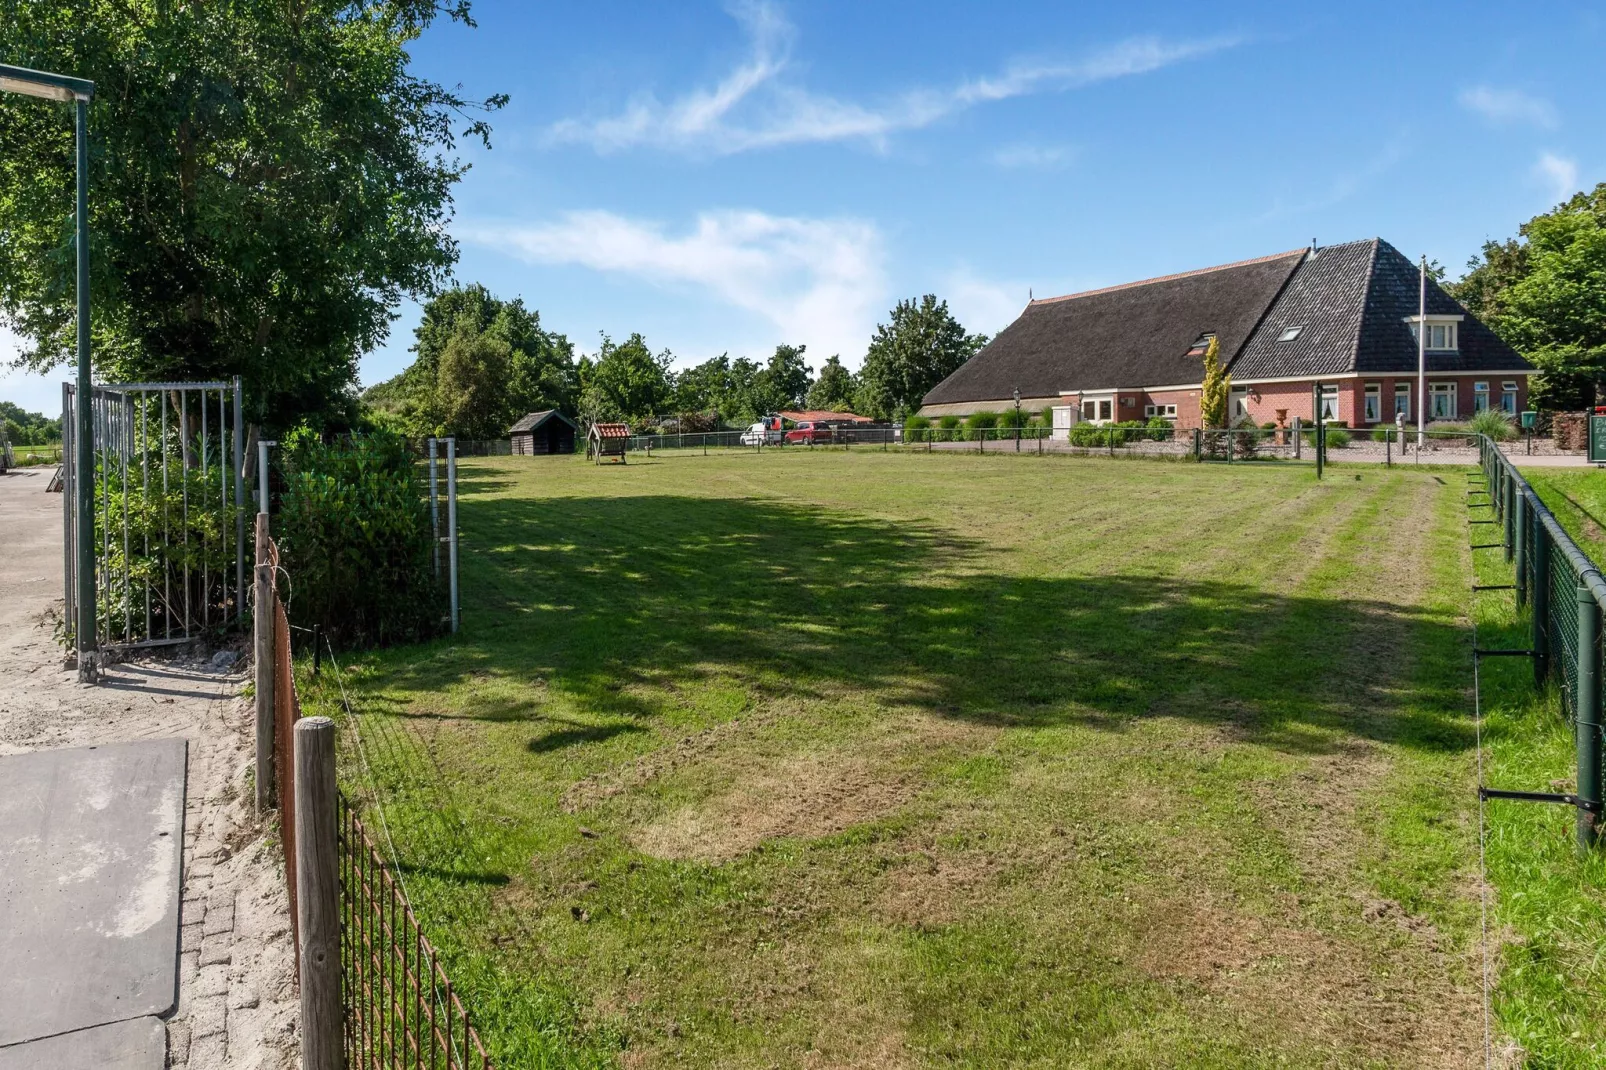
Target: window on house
x: 1329, y: 401
x: 1443, y: 407
x: 1508, y: 397
x: 1290, y: 333
x: 1200, y: 344
x: 1440, y: 335
x: 1374, y: 403
x: 1240, y: 403
x: 1160, y: 410
x: 1090, y: 410
x: 1402, y: 400
x: 1480, y: 396
x: 1104, y: 410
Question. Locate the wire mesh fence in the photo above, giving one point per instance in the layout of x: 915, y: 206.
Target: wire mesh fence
x: 400, y: 1009
x: 398, y: 1006
x: 1565, y: 595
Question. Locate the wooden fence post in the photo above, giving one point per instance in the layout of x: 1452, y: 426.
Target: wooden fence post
x: 318, y: 895
x: 262, y: 656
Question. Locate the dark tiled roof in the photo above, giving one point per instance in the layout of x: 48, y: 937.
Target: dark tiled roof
x: 1352, y: 301
x: 1325, y: 298
x: 1134, y: 335
x: 1387, y: 344
x: 536, y: 419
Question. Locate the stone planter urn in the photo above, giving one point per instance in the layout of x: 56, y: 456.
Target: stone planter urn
x: 1282, y: 427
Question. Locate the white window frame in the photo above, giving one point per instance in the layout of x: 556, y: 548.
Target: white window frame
x: 1104, y: 408
x: 1238, y: 403
x: 1402, y: 390
x: 1291, y: 333
x: 1480, y: 396
x: 1508, y: 397
x: 1372, y: 412
x: 1443, y: 333
x: 1329, y: 403
x: 1444, y: 390
x: 1168, y: 412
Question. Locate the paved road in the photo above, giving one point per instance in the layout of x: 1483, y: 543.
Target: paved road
x: 236, y: 1003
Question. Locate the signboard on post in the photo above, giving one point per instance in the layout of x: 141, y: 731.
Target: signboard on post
x: 1597, y: 439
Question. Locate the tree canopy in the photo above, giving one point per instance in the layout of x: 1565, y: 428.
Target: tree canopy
x: 266, y: 182
x: 921, y: 347
x: 627, y: 381
x: 834, y: 390
x: 741, y: 390
x: 25, y: 428
x: 1215, y: 387
x: 536, y: 370
x: 1544, y: 292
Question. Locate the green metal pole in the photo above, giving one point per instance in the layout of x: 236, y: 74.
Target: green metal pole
x: 1539, y: 597
x: 1588, y: 721
x: 1519, y: 548
x: 1508, y: 494
x: 87, y: 669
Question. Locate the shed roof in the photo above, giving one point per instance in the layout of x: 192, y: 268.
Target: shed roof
x: 610, y: 430
x: 1134, y: 335
x: 535, y: 419
x: 819, y: 415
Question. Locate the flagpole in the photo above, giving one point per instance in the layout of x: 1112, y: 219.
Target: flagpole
x: 1422, y: 355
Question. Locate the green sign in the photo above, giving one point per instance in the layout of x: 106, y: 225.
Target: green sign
x: 1529, y: 418
x: 1597, y: 440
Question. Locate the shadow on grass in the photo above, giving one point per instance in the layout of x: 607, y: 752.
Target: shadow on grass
x: 570, y: 737
x: 589, y: 597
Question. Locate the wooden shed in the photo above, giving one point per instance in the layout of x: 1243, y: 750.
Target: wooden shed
x: 543, y: 432
x: 607, y: 440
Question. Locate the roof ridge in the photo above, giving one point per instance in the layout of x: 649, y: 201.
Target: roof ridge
x: 1168, y: 278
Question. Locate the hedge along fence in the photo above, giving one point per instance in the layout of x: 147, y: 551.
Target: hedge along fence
x: 354, y: 527
x: 1567, y: 595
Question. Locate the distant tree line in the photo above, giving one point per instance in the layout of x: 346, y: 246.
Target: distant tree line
x: 28, y: 428
x: 482, y: 362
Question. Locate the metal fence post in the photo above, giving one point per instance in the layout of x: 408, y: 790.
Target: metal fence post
x: 1299, y: 440
x: 434, y: 505
x: 1198, y: 443
x: 1587, y: 708
x: 1539, y: 599
x: 1519, y: 549
x: 239, y: 505
x: 1508, y: 514
x: 1388, y: 448
x: 262, y: 656
x: 451, y: 520
x: 318, y: 895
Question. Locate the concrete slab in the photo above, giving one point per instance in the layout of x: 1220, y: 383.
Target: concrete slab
x: 91, y: 842
x: 140, y: 1044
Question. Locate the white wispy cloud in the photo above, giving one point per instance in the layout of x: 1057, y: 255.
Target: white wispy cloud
x: 1559, y: 172
x: 757, y: 106
x: 820, y: 282
x: 1509, y: 106
x: 1032, y: 157
x: 983, y: 305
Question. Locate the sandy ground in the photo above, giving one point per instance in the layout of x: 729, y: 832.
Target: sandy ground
x: 237, y: 1003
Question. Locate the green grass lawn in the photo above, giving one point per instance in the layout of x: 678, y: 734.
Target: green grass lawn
x: 862, y: 759
x: 1578, y: 498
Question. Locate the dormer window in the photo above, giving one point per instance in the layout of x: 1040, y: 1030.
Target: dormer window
x: 1290, y: 333
x: 1443, y: 332
x: 1200, y: 344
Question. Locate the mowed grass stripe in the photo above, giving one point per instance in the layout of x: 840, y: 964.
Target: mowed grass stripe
x: 864, y: 759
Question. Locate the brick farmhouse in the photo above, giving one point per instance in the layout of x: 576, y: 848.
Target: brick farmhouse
x: 1340, y: 317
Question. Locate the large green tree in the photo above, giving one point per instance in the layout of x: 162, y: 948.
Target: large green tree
x: 627, y: 381
x: 783, y: 384
x: 540, y: 369
x: 834, y: 390
x: 1544, y: 292
x: 471, y: 385
x: 921, y: 347
x: 268, y: 179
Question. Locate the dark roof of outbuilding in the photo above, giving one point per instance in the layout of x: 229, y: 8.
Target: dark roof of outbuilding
x: 1133, y: 335
x: 1351, y: 302
x: 536, y: 419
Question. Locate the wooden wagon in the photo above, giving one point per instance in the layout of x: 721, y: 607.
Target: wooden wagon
x: 607, y: 440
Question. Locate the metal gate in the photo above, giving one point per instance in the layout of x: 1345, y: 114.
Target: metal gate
x: 169, y: 519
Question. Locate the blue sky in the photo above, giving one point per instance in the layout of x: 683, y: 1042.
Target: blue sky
x: 723, y: 178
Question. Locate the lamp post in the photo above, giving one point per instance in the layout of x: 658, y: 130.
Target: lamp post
x: 60, y: 87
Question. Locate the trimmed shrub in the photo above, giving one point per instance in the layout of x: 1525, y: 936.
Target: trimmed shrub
x: 978, y: 425
x: 1160, y: 429
x: 947, y: 429
x: 1381, y: 433
x: 916, y: 428
x: 1010, y: 419
x: 1337, y: 438
x: 355, y: 539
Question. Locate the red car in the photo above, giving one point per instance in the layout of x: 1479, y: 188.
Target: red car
x: 808, y: 433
